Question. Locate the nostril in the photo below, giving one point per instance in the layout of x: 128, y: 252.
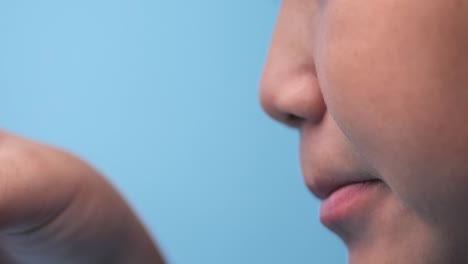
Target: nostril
x: 293, y: 120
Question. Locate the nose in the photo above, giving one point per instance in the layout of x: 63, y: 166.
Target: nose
x: 292, y: 97
x: 289, y: 88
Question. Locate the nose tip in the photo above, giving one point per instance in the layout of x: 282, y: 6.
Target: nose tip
x: 292, y: 98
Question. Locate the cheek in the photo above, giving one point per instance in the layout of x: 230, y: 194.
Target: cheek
x: 396, y: 85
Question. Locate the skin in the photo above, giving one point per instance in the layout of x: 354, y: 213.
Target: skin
x: 379, y: 88
x: 55, y: 208
x: 376, y: 88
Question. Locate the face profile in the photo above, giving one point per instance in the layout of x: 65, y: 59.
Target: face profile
x: 378, y: 91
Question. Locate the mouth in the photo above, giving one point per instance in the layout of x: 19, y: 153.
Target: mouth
x: 347, y: 202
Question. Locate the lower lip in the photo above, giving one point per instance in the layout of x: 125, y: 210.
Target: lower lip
x: 347, y: 201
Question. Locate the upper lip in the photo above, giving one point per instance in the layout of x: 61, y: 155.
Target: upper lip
x: 324, y: 187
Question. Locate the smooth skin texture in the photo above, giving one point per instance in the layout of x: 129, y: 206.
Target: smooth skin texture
x: 375, y: 87
x: 56, y: 209
x: 380, y: 88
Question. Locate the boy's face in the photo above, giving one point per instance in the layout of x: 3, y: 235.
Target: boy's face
x: 379, y: 89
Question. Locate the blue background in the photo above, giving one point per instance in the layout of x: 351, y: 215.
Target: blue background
x: 161, y: 96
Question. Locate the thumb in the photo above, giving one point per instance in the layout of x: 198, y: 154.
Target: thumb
x: 36, y: 183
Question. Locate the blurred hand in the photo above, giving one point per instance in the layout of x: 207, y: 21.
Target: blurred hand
x: 54, y: 208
